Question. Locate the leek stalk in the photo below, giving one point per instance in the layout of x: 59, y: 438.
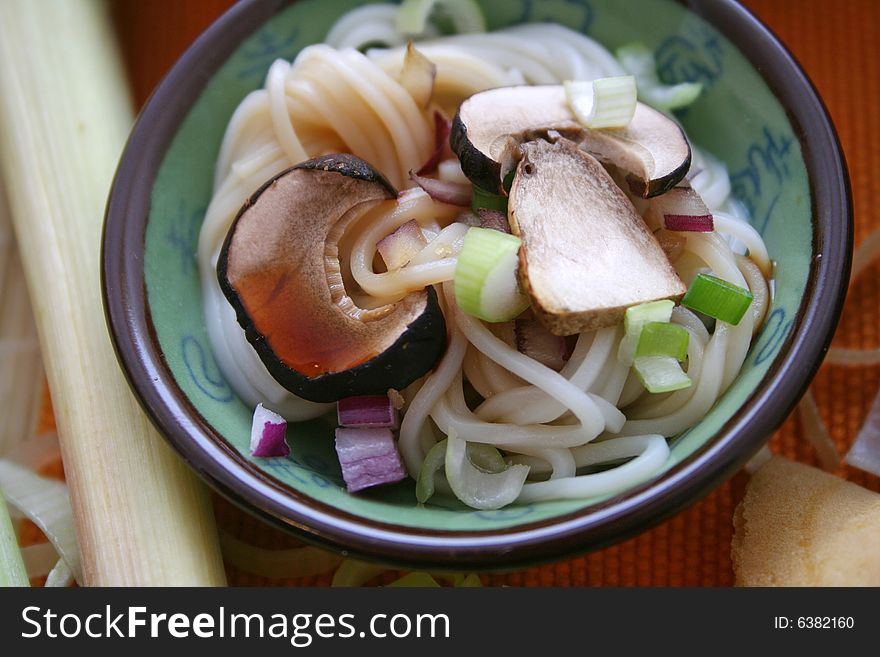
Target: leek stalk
x: 21, y: 368
x: 142, y: 517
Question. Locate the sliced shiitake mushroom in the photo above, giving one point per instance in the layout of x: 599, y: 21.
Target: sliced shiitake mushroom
x: 586, y: 254
x: 488, y: 127
x: 279, y: 268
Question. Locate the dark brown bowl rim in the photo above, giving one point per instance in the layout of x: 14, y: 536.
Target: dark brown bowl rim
x: 221, y: 466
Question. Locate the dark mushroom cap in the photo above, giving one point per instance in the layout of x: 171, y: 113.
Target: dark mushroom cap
x: 490, y: 125
x: 279, y: 268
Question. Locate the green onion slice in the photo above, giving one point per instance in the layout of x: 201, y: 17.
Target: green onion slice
x: 476, y: 488
x: 635, y: 318
x: 661, y: 374
x: 486, y: 457
x: 483, y: 199
x: 485, y: 276
x: 717, y: 298
x: 466, y: 16
x: 638, y: 60
x: 603, y: 103
x: 430, y: 466
x: 663, y: 339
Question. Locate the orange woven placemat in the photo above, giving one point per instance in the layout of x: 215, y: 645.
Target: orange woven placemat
x: 838, y: 44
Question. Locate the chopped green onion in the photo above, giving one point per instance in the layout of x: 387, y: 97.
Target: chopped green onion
x: 603, y: 103
x: 486, y: 457
x: 483, y: 199
x: 466, y: 16
x: 507, y: 183
x: 717, y: 298
x: 430, y: 466
x: 635, y: 318
x: 661, y: 374
x: 12, y: 570
x: 478, y: 489
x: 653, y: 311
x: 663, y: 339
x: 485, y: 276
x: 415, y: 580
x: 638, y: 60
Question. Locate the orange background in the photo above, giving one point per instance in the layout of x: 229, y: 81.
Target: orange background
x: 838, y: 44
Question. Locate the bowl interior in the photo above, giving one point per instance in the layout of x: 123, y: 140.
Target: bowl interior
x: 738, y: 119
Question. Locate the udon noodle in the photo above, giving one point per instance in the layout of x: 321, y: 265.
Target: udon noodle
x: 594, y: 411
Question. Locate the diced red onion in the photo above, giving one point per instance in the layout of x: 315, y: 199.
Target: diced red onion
x: 865, y: 451
x: 493, y: 219
x: 444, y: 191
x: 535, y: 341
x: 687, y: 223
x: 267, y: 434
x: 682, y: 209
x: 399, y: 247
x: 368, y: 457
x: 417, y: 76
x: 442, y: 128
x: 374, y: 411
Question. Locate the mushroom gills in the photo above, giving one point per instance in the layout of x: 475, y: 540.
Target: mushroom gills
x: 490, y: 125
x: 586, y: 254
x: 279, y: 268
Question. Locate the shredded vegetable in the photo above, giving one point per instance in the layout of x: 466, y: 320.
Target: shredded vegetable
x: 865, y: 451
x: 816, y: 434
x: 661, y: 374
x: 475, y: 487
x: 47, y: 503
x: 466, y: 16
x: 415, y: 580
x: 355, y: 573
x: 12, y: 569
x: 278, y: 564
x: 432, y: 464
x: 39, y: 559
x: 638, y: 60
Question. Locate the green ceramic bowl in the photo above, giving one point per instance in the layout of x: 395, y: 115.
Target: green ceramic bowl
x: 759, y: 113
